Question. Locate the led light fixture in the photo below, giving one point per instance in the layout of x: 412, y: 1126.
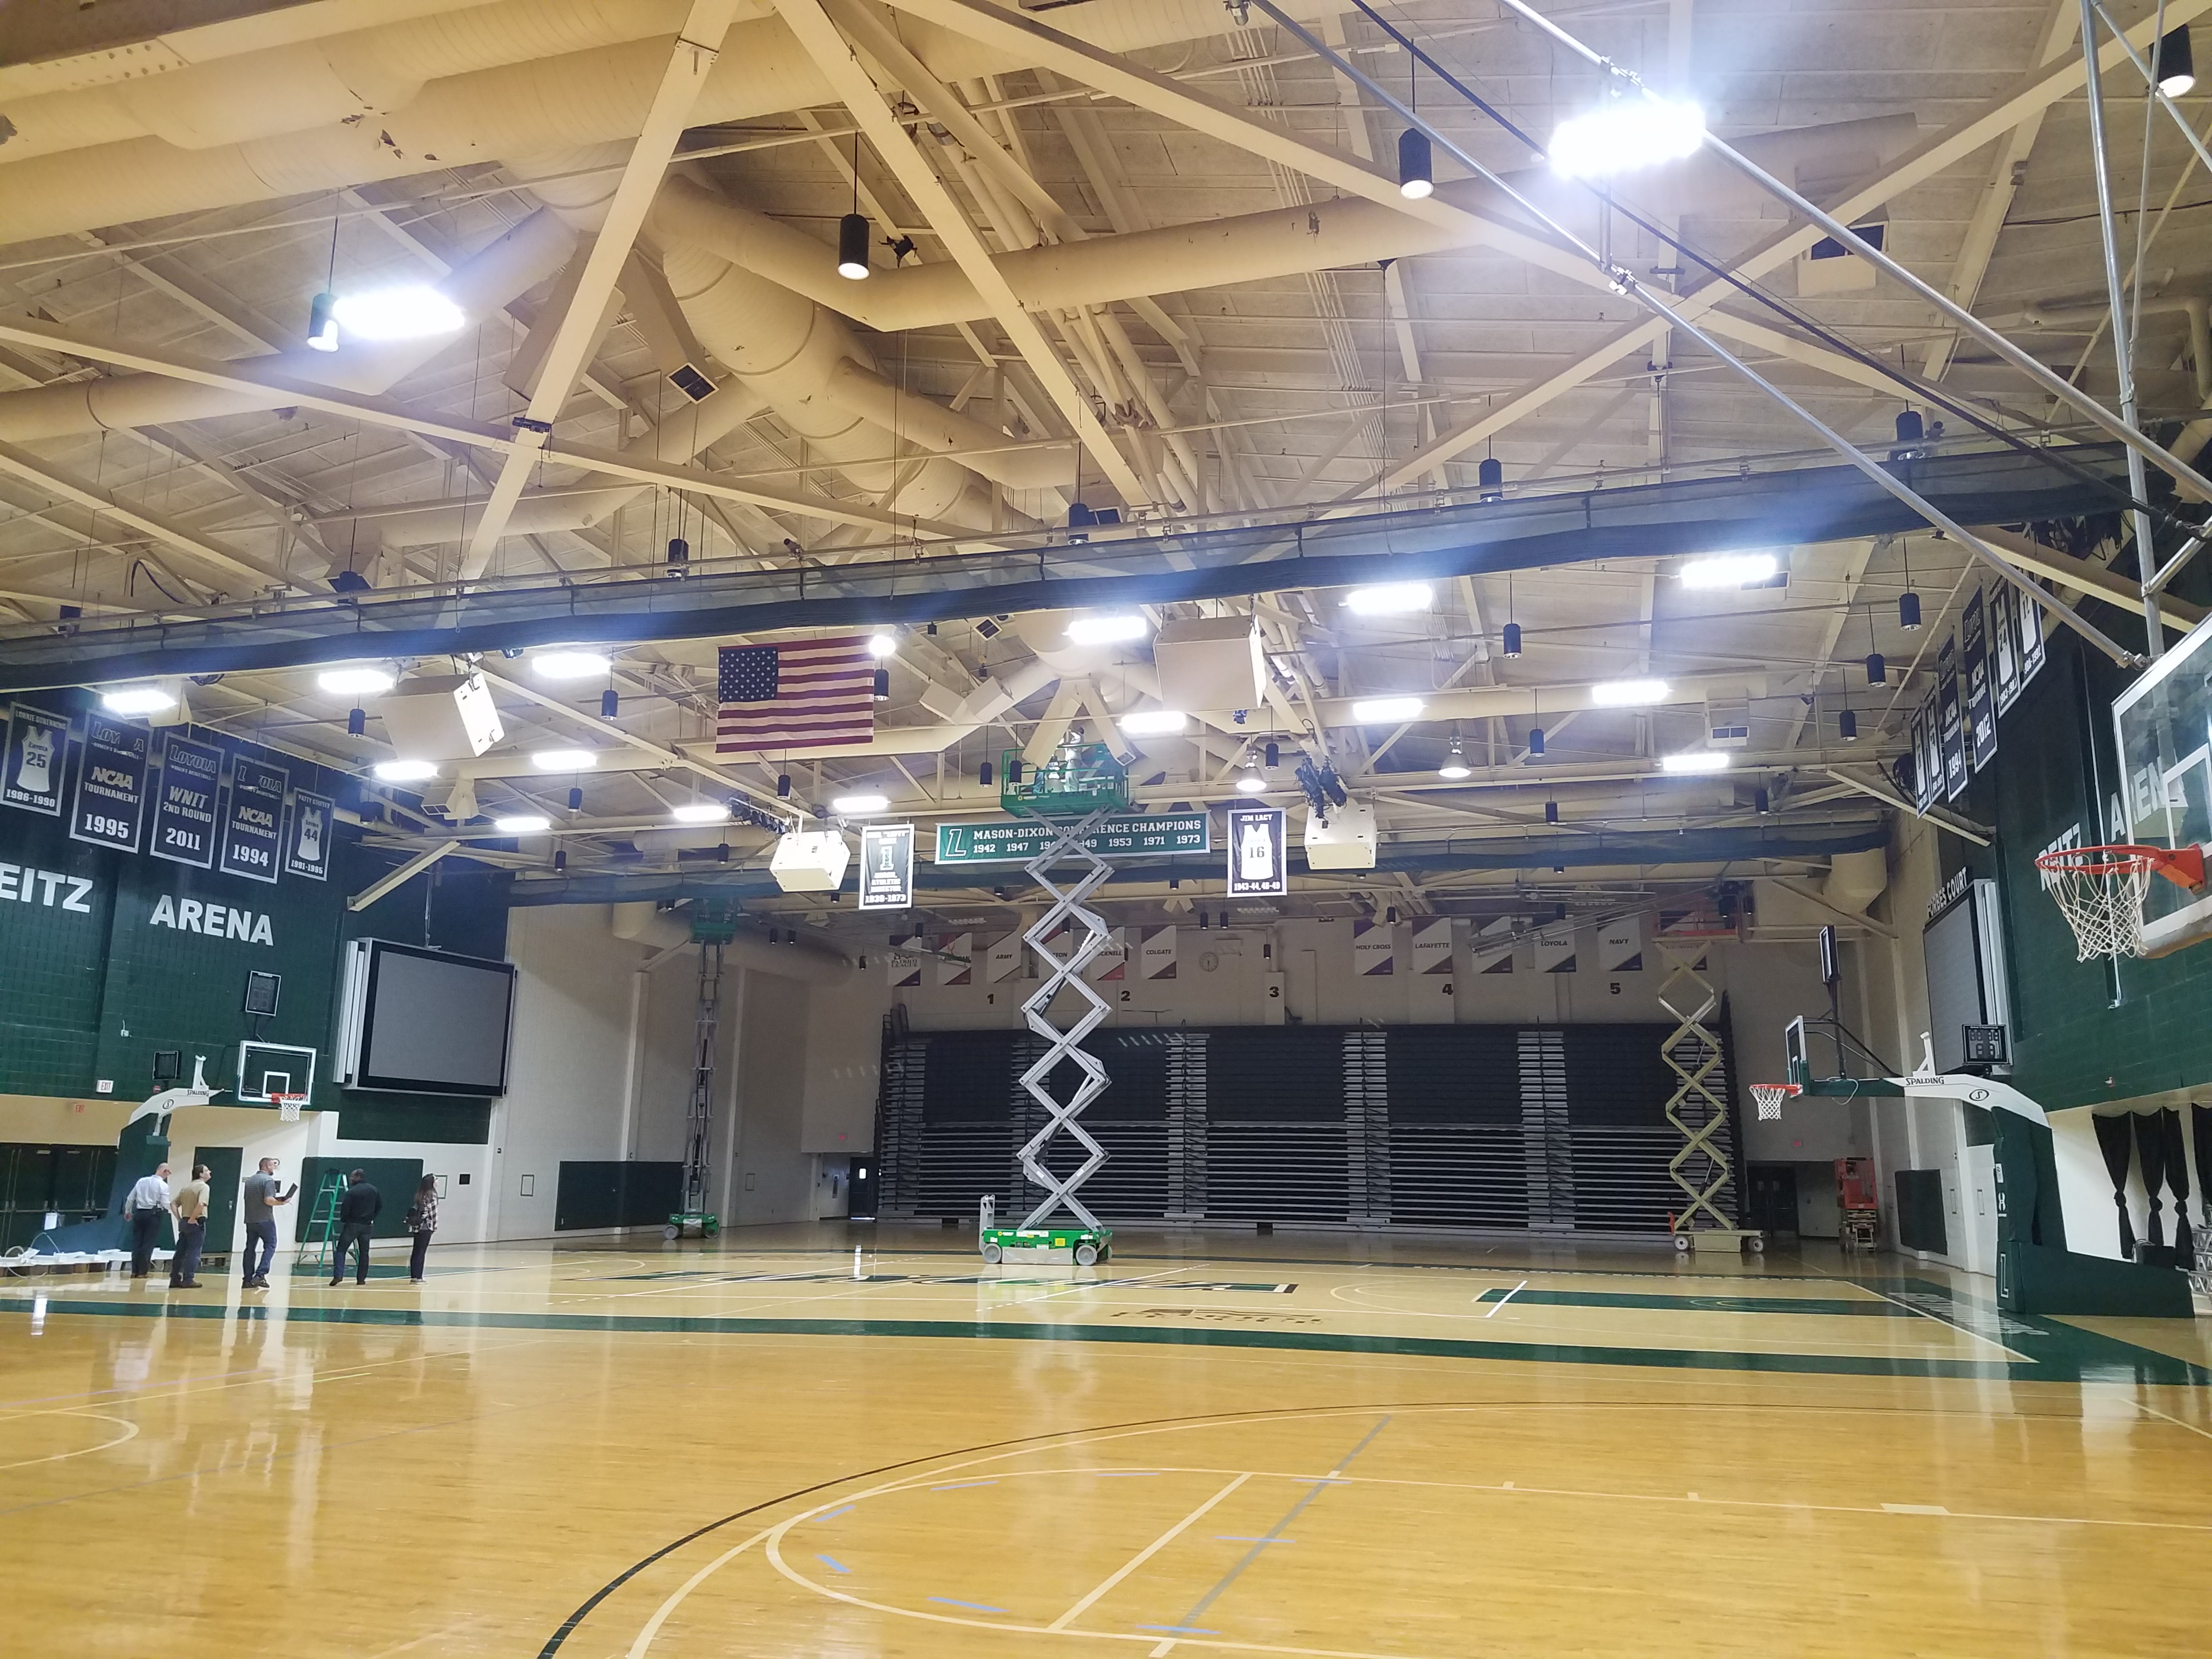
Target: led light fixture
x: 1375, y: 710
x: 700, y: 812
x: 1490, y: 479
x: 522, y: 823
x: 405, y: 771
x: 137, y: 700
x: 2174, y: 63
x: 854, y: 806
x: 1153, y: 722
x: 1251, y: 784
x: 410, y: 312
x: 322, y: 322
x: 356, y: 682
x: 1877, y: 670
x: 1625, y: 134
x: 569, y: 665
x: 881, y: 685
x: 1697, y: 760
x: 1629, y: 694
x: 882, y: 645
x: 1511, y: 645
x: 1416, y: 166
x: 1106, y: 630
x: 564, y: 760
x: 852, y: 247
x: 1847, y: 726
x: 1729, y: 570
x: 1390, y: 599
x: 1536, y: 741
x: 1908, y: 612
x: 1454, y: 766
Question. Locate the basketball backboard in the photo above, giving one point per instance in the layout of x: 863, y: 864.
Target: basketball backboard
x: 266, y: 1069
x: 2162, y: 725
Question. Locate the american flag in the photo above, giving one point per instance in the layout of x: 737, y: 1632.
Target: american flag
x: 802, y: 694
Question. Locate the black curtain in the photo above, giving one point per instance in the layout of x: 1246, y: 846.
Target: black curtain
x: 2177, y: 1176
x: 2114, y: 1139
x: 2201, y: 1117
x: 2150, y: 1146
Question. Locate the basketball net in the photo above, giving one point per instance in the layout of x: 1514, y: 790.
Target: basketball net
x: 288, y: 1107
x: 1769, y: 1098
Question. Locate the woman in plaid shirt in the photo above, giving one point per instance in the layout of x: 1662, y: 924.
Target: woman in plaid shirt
x: 421, y: 1221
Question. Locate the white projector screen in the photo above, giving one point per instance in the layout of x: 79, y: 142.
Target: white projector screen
x: 429, y: 1022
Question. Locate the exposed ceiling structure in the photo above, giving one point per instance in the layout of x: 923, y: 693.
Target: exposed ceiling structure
x: 1144, y: 255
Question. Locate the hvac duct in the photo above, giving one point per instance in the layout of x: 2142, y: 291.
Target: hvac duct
x: 645, y: 923
x: 524, y: 257
x: 588, y: 96
x: 1856, y: 880
x: 1248, y: 248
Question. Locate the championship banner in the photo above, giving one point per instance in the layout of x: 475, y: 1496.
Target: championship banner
x: 1555, y: 948
x: 1620, y: 945
x: 901, y: 968
x: 37, y: 755
x: 1257, y: 866
x: 1491, y: 951
x: 1112, y: 960
x: 1951, y: 719
x: 955, y: 960
x: 2004, y: 642
x: 1156, y: 953
x: 307, y: 844
x: 886, y: 866
x: 253, y: 822
x: 184, y: 806
x: 1433, y: 946
x: 1981, y: 695
x: 1005, y: 961
x: 1928, y: 778
x: 1374, y: 949
x: 2030, y: 638
x: 110, y: 808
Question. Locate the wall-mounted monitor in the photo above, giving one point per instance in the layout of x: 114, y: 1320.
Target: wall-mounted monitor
x: 417, y: 1021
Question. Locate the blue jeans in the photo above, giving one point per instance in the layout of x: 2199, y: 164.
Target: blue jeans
x: 264, y: 1232
x: 184, y: 1265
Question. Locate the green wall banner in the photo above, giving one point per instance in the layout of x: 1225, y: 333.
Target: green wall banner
x: 110, y: 783
x: 38, y: 751
x: 1016, y: 840
x: 253, y: 823
x: 183, y: 810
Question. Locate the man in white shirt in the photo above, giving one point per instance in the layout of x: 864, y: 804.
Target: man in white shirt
x: 148, y: 1202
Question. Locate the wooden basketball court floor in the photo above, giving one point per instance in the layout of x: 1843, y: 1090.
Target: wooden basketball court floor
x: 1215, y: 1444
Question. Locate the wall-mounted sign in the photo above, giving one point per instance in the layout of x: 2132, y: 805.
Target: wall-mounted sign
x: 37, y: 755
x: 253, y: 822
x: 1981, y: 692
x: 1433, y: 946
x: 1374, y: 949
x: 111, y: 784
x: 1016, y: 840
x: 1256, y: 862
x: 185, y: 805
x: 307, y: 843
x: 886, y: 866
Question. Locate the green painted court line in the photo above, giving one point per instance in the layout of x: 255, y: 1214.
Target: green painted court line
x: 1733, y: 1304
x: 2088, y: 1358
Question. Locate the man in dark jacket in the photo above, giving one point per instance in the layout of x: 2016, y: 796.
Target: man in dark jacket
x: 357, y: 1210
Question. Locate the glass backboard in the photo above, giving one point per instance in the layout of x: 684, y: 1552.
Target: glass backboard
x: 2162, y: 725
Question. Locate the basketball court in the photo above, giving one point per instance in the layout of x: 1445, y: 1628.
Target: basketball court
x: 996, y: 829
x: 1411, y: 1450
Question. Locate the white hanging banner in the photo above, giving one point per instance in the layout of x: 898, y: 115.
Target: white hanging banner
x: 956, y: 958
x: 1620, y: 945
x: 1492, y: 948
x: 1112, y: 962
x: 1555, y: 948
x: 1005, y: 961
x: 1433, y: 950
x: 1257, y: 866
x: 903, y: 968
x: 1374, y: 949
x: 1156, y: 953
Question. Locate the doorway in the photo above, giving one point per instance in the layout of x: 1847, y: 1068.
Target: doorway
x: 1771, y: 1191
x: 223, y: 1162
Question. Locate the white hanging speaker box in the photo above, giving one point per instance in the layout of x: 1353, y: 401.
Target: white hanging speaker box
x: 810, y: 861
x: 1344, y: 840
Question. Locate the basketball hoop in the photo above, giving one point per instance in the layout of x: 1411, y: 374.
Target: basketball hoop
x: 288, y: 1107
x: 1770, y: 1097
x: 2100, y: 892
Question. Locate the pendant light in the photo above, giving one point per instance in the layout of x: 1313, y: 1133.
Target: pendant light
x: 610, y: 703
x: 2174, y: 63
x: 1511, y: 646
x: 323, y: 310
x: 1877, y: 670
x: 1908, y: 602
x: 1417, y: 165
x: 1536, y: 741
x: 1847, y: 726
x: 853, y: 229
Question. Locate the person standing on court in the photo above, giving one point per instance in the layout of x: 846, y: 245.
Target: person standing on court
x: 357, y: 1213
x: 262, y: 1200
x: 421, y: 1221
x: 147, y: 1203
x: 190, y: 1207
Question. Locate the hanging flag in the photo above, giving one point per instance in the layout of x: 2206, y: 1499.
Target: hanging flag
x: 1620, y: 945
x: 903, y: 967
x: 1555, y: 948
x: 1112, y: 960
x: 1492, y: 946
x: 1156, y: 953
x: 801, y: 694
x: 1433, y: 946
x: 1003, y: 961
x: 1374, y: 949
x: 956, y: 958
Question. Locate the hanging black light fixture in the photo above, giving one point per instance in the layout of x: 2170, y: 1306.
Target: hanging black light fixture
x: 560, y: 860
x: 322, y: 322
x: 983, y: 774
x: 1490, y: 479
x: 356, y: 722
x: 1847, y: 726
x: 883, y: 685
x: 1536, y: 740
x: 1761, y: 802
x: 679, y: 550
x: 610, y: 703
x: 1014, y: 769
x: 1417, y: 167
x: 1274, y: 753
x: 1512, y: 641
x: 783, y: 785
x: 1877, y: 669
x: 1550, y: 811
x: 575, y: 801
x: 853, y: 229
x: 2174, y: 63
x: 1908, y: 602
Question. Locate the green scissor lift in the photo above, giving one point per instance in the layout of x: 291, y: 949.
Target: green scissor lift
x: 714, y: 924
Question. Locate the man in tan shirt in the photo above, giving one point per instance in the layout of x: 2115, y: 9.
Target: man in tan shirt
x: 190, y: 1207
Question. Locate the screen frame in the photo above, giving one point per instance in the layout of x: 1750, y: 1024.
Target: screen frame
x: 365, y: 1038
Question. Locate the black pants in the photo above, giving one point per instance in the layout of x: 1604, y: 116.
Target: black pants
x: 184, y: 1265
x: 352, y: 1233
x: 145, y: 1234
x: 422, y: 1250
